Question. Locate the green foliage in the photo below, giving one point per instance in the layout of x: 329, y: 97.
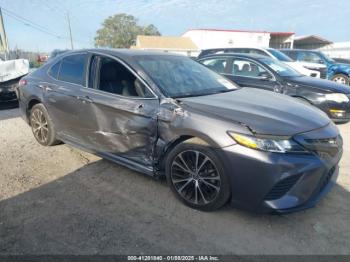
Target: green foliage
x: 121, y: 30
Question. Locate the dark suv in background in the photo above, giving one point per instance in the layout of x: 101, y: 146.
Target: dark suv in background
x: 336, y: 71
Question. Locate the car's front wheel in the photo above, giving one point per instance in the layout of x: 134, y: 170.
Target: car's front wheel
x: 341, y: 79
x: 196, y: 175
x: 42, y: 126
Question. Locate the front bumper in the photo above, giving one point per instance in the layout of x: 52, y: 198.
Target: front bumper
x: 271, y: 182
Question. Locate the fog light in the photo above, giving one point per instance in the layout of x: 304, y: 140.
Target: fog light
x: 337, y: 112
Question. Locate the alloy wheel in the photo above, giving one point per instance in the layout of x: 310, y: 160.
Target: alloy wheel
x: 195, y: 177
x: 39, y: 126
x: 340, y: 80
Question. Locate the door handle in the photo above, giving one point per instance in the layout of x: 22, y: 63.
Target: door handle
x: 85, y: 99
x: 45, y: 87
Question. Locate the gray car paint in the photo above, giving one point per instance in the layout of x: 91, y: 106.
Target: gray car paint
x: 141, y: 130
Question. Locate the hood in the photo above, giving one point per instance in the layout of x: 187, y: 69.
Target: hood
x: 326, y: 85
x: 262, y: 111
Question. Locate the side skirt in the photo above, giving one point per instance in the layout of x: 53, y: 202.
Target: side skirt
x: 114, y: 158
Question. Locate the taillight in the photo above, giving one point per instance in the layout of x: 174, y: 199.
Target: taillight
x: 22, y: 82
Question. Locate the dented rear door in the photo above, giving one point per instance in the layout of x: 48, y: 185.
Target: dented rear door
x: 118, y: 125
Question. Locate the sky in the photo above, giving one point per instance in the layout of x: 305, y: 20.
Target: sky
x: 326, y: 18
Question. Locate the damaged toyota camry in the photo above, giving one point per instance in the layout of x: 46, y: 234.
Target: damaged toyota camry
x: 164, y: 114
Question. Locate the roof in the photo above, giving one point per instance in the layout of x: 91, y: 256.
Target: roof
x: 311, y: 39
x: 241, y: 31
x: 121, y: 53
x: 253, y: 56
x: 164, y: 43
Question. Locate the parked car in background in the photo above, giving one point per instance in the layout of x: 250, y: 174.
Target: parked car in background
x: 270, y: 74
x: 10, y: 73
x: 166, y: 114
x: 305, y: 68
x: 338, y: 72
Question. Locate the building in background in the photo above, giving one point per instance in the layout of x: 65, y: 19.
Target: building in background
x: 337, y: 50
x: 310, y: 42
x: 220, y: 38
x: 179, y: 45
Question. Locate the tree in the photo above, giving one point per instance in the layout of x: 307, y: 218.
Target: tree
x: 121, y: 30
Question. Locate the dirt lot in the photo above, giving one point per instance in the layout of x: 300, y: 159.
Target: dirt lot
x: 60, y: 200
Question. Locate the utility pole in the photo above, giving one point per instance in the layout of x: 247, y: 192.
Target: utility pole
x: 3, y: 38
x: 70, y: 31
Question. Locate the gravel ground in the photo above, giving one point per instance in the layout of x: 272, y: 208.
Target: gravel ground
x: 60, y: 200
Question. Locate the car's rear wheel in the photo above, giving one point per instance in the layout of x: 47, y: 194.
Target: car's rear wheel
x: 196, y: 176
x: 341, y: 79
x: 42, y: 126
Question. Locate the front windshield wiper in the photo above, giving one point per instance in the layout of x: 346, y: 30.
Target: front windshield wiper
x: 204, y: 94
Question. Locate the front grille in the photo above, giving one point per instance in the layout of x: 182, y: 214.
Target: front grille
x: 282, y: 187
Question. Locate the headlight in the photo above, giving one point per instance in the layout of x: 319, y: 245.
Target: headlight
x: 268, y: 144
x: 336, y: 97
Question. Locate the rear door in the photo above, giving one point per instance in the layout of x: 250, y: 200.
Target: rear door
x: 68, y: 77
x: 118, y: 111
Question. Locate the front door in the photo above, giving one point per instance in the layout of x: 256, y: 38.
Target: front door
x: 119, y: 113
x: 248, y: 73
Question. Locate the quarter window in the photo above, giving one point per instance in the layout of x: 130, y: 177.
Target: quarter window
x: 73, y: 69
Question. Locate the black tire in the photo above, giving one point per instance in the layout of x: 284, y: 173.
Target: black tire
x: 198, y: 197
x: 42, y: 126
x: 341, y: 78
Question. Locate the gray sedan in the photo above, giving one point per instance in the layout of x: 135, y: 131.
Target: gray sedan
x: 164, y: 114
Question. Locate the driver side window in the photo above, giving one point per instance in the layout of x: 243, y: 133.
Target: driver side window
x: 247, y: 68
x: 110, y: 76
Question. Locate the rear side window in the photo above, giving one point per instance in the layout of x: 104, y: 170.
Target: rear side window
x: 73, y: 69
x: 54, y: 70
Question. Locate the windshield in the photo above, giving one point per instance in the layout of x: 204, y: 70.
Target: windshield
x: 279, y: 67
x: 182, y: 77
x: 280, y: 56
